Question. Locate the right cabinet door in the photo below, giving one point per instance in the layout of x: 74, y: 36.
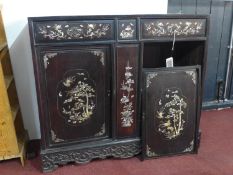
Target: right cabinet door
x: 170, y: 111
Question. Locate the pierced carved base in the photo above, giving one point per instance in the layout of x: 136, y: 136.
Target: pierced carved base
x: 50, y: 161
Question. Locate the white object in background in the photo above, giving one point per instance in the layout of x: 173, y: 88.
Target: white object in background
x: 169, y: 62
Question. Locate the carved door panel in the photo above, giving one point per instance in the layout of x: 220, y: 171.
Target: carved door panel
x: 77, y: 93
x: 170, y: 111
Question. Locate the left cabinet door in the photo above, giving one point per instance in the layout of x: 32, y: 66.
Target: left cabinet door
x: 73, y: 86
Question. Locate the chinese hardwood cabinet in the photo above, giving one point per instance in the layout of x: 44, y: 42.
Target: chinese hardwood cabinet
x: 88, y: 72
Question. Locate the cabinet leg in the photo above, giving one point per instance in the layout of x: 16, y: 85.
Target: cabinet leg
x: 22, y: 160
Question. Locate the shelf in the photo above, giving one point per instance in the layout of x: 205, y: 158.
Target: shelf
x: 2, y: 46
x: 13, y: 136
x: 14, y: 111
x: 8, y: 80
x: 3, y: 50
x: 21, y: 144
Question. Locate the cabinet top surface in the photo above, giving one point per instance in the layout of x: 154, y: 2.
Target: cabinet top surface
x: 94, y: 17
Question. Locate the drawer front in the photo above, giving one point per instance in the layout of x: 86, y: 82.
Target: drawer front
x: 159, y: 28
x: 127, y: 70
x: 127, y: 29
x: 77, y: 93
x: 170, y: 110
x: 67, y: 31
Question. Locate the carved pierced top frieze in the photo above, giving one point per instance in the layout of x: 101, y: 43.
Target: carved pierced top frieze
x: 61, y: 31
x: 168, y: 27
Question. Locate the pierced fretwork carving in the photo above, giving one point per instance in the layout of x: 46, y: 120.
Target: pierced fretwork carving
x: 51, y: 161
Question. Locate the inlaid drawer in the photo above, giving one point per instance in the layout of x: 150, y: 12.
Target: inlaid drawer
x: 67, y: 31
x: 127, y: 29
x: 159, y: 28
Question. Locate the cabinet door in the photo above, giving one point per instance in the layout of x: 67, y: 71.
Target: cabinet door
x: 171, y: 111
x: 75, y: 93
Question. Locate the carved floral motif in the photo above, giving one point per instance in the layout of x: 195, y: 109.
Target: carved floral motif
x: 171, y: 113
x: 102, y: 131
x: 55, y: 138
x: 150, y: 153
x: 149, y: 77
x: 76, y: 96
x: 74, y: 31
x: 190, y: 147
x: 126, y: 100
x: 169, y: 27
x: 46, y: 58
x: 193, y: 76
x: 100, y: 54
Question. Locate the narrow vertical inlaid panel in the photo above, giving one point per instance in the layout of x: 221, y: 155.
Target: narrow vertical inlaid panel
x: 127, y: 63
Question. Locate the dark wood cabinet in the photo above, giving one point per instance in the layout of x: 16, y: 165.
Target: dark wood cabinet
x: 88, y: 72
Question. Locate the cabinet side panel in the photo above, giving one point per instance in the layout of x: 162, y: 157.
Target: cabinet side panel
x: 127, y: 69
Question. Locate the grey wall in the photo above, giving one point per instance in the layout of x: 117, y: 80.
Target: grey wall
x: 221, y: 18
x: 21, y: 61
